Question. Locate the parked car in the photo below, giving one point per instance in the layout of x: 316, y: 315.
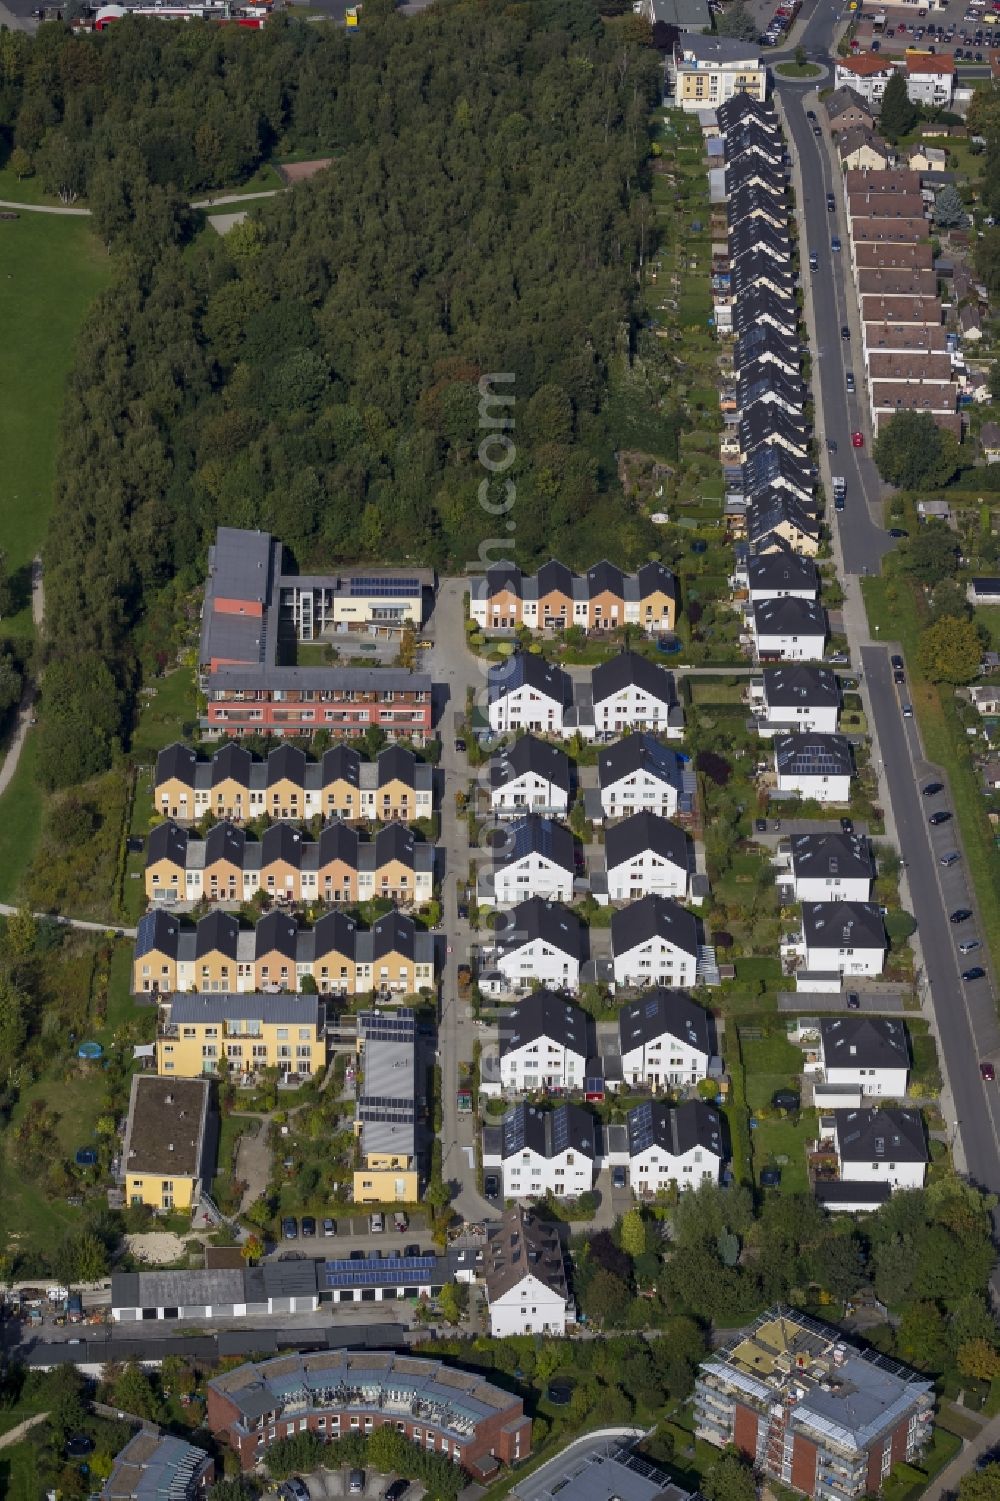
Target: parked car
x: 760, y: 824
x: 618, y: 1177
x: 853, y: 1001
x: 898, y: 531
x: 290, y: 1227
x: 397, y: 1490
x: 960, y: 914
x: 835, y: 243
x: 813, y: 261
x: 896, y: 661
x: 491, y: 1186
x: 831, y: 202
x: 356, y: 1483
x: 975, y: 973
x: 849, y: 381
x: 293, y: 1489
x: 308, y: 1226
x: 941, y: 816
x: 845, y: 332
x: 376, y: 1224
x: 988, y: 1072
x: 907, y: 711
x: 329, y: 1227
x: 858, y: 440
x: 951, y: 858
x: 847, y: 825
x: 460, y: 745
x: 400, y: 1223
x: 968, y: 945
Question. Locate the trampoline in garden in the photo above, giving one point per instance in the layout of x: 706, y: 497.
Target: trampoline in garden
x: 86, y: 1157
x: 90, y: 1050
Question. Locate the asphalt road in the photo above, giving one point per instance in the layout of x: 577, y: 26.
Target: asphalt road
x: 965, y: 1013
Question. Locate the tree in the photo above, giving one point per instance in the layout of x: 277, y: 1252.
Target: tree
x: 897, y: 115
x: 923, y: 1336
x: 730, y: 1479
x: 980, y: 1485
x: 949, y: 210
x: 454, y: 1301
x: 11, y: 683
x: 979, y: 1359
x: 932, y: 555
x: 913, y: 452
x: 950, y: 650
x: 606, y: 1298
x: 633, y: 1232
x: 21, y: 933
x: 253, y: 1248
x: 949, y: 599
x: 233, y: 1489
x: 133, y: 1392
x: 737, y: 22
x: 900, y: 925
x: 90, y: 1258
x: 20, y: 163
x: 13, y: 1022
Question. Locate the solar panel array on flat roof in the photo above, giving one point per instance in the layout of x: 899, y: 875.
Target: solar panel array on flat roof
x: 373, y: 1272
x: 383, y: 1108
x: 389, y: 588
x: 387, y: 1026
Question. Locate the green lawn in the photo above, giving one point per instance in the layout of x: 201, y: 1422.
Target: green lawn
x: 27, y: 1215
x: 169, y: 712
x: 54, y: 268
x: 782, y: 1143
x: 771, y: 1063
x: 989, y: 616
x: 20, y: 821
x: 19, y: 1473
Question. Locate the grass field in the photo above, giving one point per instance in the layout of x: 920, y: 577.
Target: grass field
x: 53, y: 268
x: 19, y: 1473
x: 771, y: 1063
x: 782, y: 1143
x: 20, y: 822
x: 168, y: 713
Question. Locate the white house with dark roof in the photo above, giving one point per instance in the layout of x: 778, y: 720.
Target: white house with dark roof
x: 879, y: 1146
x: 789, y: 629
x: 525, y: 1275
x: 837, y: 941
x: 538, y: 940
x: 669, y: 1145
x: 630, y: 692
x: 539, y: 1152
x: 768, y: 427
x: 778, y: 522
x: 645, y: 853
x: 781, y: 575
x: 665, y: 1039
x: 818, y: 767
x: 870, y: 1053
x: 796, y: 697
x: 654, y: 942
x: 530, y: 776
x: 834, y: 867
x: 527, y: 693
x: 543, y: 1044
x: 533, y: 856
x: 638, y: 775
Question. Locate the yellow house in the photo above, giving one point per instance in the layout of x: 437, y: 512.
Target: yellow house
x: 165, y: 1162
x: 241, y: 1034
x: 386, y: 1110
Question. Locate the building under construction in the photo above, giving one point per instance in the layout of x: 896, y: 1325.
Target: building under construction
x: 818, y: 1414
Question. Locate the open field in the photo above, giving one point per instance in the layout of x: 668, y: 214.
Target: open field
x: 53, y: 268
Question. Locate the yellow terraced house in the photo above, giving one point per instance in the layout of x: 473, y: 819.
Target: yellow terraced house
x: 386, y: 1111
x: 240, y: 1035
x: 165, y: 1162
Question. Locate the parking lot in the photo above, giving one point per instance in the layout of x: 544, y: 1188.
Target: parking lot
x: 326, y: 1485
x: 960, y: 31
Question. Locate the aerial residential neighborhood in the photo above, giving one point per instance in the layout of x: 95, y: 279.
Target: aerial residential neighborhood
x: 500, y: 751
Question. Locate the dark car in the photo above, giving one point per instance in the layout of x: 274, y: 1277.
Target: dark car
x: 617, y: 1177
x: 411, y: 1250
x: 491, y: 1186
x: 899, y: 677
x: 308, y: 1226
x: 831, y: 445
x: 463, y: 911
x: 896, y: 661
x: 397, y: 1490
x: 831, y: 202
x: 290, y: 1227
x: 853, y: 1001
x: 835, y: 242
x: 460, y: 745
x: 760, y: 824
x: 941, y: 816
x: 817, y: 130
x: 897, y: 532
x: 845, y: 332
x: 932, y: 788
x: 847, y: 825
x: 989, y: 1073
x: 975, y: 973
x: 813, y: 261
x: 960, y: 914
x: 849, y: 379
x: 810, y: 114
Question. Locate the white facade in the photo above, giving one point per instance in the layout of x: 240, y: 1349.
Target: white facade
x: 858, y: 963
x: 655, y: 1169
x: 542, y: 1064
x: 758, y: 595
x: 870, y: 85
x: 931, y: 86
x: 804, y: 716
x: 886, y: 1083
x: 879, y: 1170
x: 639, y: 793
x: 528, y: 1308
x: 526, y: 708
x: 656, y: 961
x: 532, y: 875
x: 539, y: 960
x: 647, y: 872
x: 664, y: 1060
x: 788, y: 648
x: 631, y: 708
x: 566, y: 1175
x: 821, y: 789
x: 529, y: 793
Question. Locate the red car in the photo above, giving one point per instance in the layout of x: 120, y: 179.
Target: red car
x: 988, y: 1072
x: 858, y: 439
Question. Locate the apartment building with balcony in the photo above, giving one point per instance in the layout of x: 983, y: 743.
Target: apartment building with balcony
x: 240, y: 1035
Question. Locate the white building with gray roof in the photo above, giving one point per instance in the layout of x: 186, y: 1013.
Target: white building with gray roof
x: 815, y: 766
x: 829, y: 867
x: 670, y: 1145
x: 870, y: 1053
x: 665, y: 1039
x: 540, y: 1152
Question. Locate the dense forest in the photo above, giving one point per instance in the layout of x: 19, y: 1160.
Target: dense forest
x: 317, y: 372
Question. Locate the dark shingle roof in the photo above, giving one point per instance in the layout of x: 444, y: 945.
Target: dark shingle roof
x: 217, y: 932
x: 523, y: 668
x: 549, y: 1133
x: 834, y: 854
x: 782, y: 571
x: 793, y: 684
x: 652, y: 917
x: 628, y: 669
x: 224, y: 841
x: 536, y: 918
x: 341, y: 763
x: 167, y: 842
x: 639, y: 753
x: 844, y: 99
x: 881, y: 1135
x: 276, y: 933
x: 664, y: 1013
x: 529, y: 754
x: 544, y: 1014
x: 286, y: 763
x: 843, y: 925
x: 642, y: 832
x: 176, y: 763
x: 231, y: 761
x: 813, y: 755
x: 790, y: 616
x: 534, y: 835
x: 864, y: 1042
x: 675, y: 1130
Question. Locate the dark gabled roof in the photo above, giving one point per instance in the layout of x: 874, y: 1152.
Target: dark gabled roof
x: 764, y: 423
x: 627, y: 670
x: 782, y: 571
x: 393, y: 934
x: 773, y: 382
x: 864, y: 1042
x: 176, y: 763
x: 249, y: 1006
x: 881, y: 1135
x: 674, y: 1130
x: 813, y: 755
x: 764, y: 340
x: 276, y: 932
x: 334, y: 933
x: 749, y: 139
x: 341, y: 763
x: 396, y: 764
x: 501, y: 577
x: 543, y: 1013
x: 642, y: 832
x: 767, y: 512
x: 554, y: 578
x: 831, y: 1192
x: 286, y: 763
x: 338, y: 841
x: 742, y: 106
x: 521, y: 1246
x: 536, y: 918
x: 758, y: 304
x: 637, y: 753
x: 656, y: 577
x: 534, y: 835
x: 750, y: 269
x: 843, y: 925
x: 771, y: 175
x: 529, y: 754
x: 217, y: 933
x: 832, y: 855
x: 224, y: 841
x: 758, y: 237
x: 749, y: 200
x: 549, y: 1133
x: 604, y: 576
x: 524, y: 668
x: 167, y: 842
x: 790, y: 616
x: 843, y: 99
x: 231, y: 762
x: 157, y: 932
x: 774, y: 468
x: 395, y: 842
x: 664, y: 1013
x: 282, y: 842
x: 793, y: 684
x: 654, y: 917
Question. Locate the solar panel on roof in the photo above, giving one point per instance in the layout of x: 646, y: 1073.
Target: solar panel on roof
x: 389, y: 588
x: 642, y: 1128
x: 560, y: 1130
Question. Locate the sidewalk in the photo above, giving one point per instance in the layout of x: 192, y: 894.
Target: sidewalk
x: 946, y: 1483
